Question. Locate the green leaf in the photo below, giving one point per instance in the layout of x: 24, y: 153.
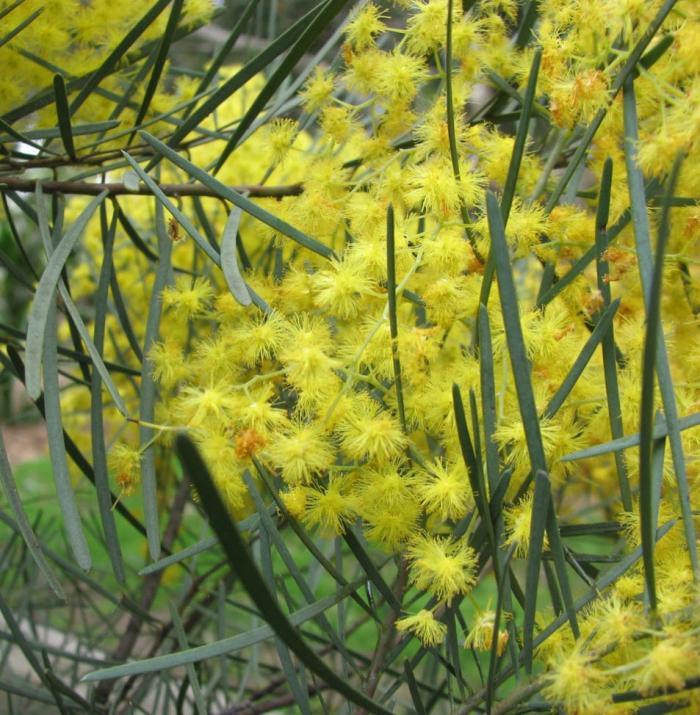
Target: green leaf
x: 30, y: 539
x: 229, y: 259
x: 111, y: 62
x: 97, y: 427
x: 161, y: 57
x: 237, y: 199
x: 200, y: 705
x: 608, y: 341
x: 631, y: 441
x: 642, y: 234
x: 148, y: 389
x: 59, y: 463
x: 44, y: 296
x: 177, y: 214
x: 647, y: 511
x: 488, y: 396
x: 393, y: 322
x: 63, y: 115
x: 22, y: 25
x: 514, y: 335
x: 572, y: 377
x: 308, y: 36
x: 538, y: 521
x: 259, y: 63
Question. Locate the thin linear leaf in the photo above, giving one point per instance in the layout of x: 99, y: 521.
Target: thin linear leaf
x: 512, y: 176
x: 538, y: 521
x: 642, y: 235
x: 227, y: 46
x: 260, y: 62
x: 200, y: 706
x: 43, y: 298
x: 111, y: 62
x: 221, y: 647
x: 80, y: 332
x: 97, y: 427
x: 178, y: 215
x: 647, y: 511
x: 63, y: 115
x: 474, y: 473
x: 514, y: 335
x: 161, y: 57
x: 12, y: 133
x: 393, y: 322
x: 612, y: 390
x: 30, y: 539
x: 308, y: 35
x: 237, y: 199
x: 22, y: 25
x: 587, y: 351
x: 488, y: 397
x: 148, y: 389
x: 229, y: 259
x: 72, y: 522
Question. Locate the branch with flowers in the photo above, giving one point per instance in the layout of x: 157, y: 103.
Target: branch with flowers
x: 392, y: 320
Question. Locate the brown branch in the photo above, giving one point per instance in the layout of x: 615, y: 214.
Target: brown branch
x: 11, y: 183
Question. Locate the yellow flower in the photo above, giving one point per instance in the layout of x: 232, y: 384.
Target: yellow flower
x: 371, y: 433
x: 480, y: 636
x: 576, y: 683
x: 518, y: 519
x: 125, y: 461
x: 190, y: 298
x: 424, y: 626
x: 445, y: 491
x: 442, y: 567
x: 301, y: 452
x: 365, y: 26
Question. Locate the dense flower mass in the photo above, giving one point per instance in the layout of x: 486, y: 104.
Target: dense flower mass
x: 343, y: 394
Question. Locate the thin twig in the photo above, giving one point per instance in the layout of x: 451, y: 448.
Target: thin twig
x: 12, y: 183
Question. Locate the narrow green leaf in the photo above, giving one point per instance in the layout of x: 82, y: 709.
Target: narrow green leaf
x: 63, y: 115
x: 308, y: 36
x: 612, y: 390
x: 488, y: 397
x: 220, y: 647
x: 587, y: 351
x: 43, y: 298
x: 475, y: 474
x: 112, y: 60
x: 393, y: 322
x: 9, y: 488
x: 237, y: 199
x: 514, y: 335
x: 200, y: 705
x: 78, y: 328
x: 223, y: 52
x: 229, y: 259
x: 161, y: 57
x: 242, y: 562
x: 647, y: 511
x: 148, y: 389
x: 259, y: 63
x: 22, y: 25
x: 538, y: 521
x: 516, y: 159
x: 178, y: 215
x: 54, y: 427
x: 97, y: 427
x: 642, y: 234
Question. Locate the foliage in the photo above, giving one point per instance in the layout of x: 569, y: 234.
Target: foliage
x: 371, y: 347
